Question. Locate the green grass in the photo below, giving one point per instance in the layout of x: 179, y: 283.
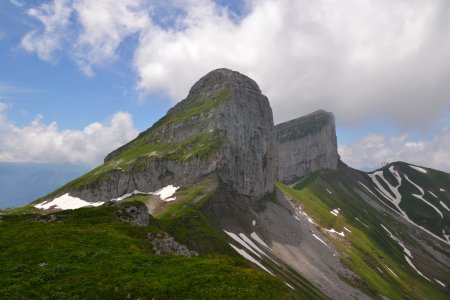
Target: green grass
x: 194, y: 107
x: 84, y: 255
x: 365, y: 249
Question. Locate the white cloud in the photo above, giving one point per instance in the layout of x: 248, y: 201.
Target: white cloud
x: 105, y: 24
x: 16, y: 3
x: 55, y: 18
x: 371, y: 151
x: 39, y: 142
x: 360, y: 59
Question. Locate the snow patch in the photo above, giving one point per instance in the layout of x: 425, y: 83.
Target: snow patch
x: 362, y: 222
x: 334, y: 231
x: 444, y: 206
x: 289, y: 285
x: 249, y: 241
x: 440, y: 282
x: 420, y: 197
x: 396, y: 199
x: 66, y: 202
x: 406, y: 250
x: 329, y: 192
x: 240, y: 241
x: 254, y: 223
x: 250, y: 258
x: 319, y: 239
x: 415, y: 269
x: 391, y: 271
x: 259, y: 240
x: 125, y: 196
x: 166, y: 192
x: 432, y: 194
x: 347, y: 229
x: 446, y: 236
x: 442, y: 190
x: 421, y: 170
x: 335, y: 211
x: 299, y: 212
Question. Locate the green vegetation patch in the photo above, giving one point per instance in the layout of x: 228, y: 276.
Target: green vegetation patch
x: 190, y: 108
x: 82, y: 254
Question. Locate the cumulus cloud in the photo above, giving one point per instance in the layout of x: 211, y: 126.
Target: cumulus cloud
x: 360, y: 59
x: 105, y: 24
x: 39, y: 142
x: 55, y: 18
x: 374, y: 149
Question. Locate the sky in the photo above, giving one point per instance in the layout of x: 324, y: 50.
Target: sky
x: 78, y: 78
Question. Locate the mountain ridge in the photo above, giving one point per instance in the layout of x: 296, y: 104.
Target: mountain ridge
x: 215, y: 177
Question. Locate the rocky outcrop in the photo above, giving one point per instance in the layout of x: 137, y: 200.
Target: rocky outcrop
x: 225, y: 125
x: 305, y: 145
x: 135, y: 213
x: 164, y: 244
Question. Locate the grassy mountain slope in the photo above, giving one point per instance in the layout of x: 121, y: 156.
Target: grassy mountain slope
x: 366, y: 247
x: 85, y: 253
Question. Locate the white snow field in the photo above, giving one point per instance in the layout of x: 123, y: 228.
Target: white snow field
x: 259, y: 240
x: 164, y: 193
x: 167, y: 192
x: 240, y: 241
x: 250, y: 258
x: 336, y: 232
x: 319, y: 239
x: 69, y: 202
x: 421, y: 170
x: 66, y: 202
x: 444, y: 206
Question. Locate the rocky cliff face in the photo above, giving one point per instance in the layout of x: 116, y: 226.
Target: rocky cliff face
x: 225, y: 125
x: 305, y: 145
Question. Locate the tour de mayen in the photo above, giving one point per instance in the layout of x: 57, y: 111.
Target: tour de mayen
x: 216, y: 201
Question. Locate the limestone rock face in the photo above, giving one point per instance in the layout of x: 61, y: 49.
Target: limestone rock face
x: 225, y: 125
x: 305, y: 145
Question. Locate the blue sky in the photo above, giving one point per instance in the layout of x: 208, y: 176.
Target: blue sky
x: 96, y: 73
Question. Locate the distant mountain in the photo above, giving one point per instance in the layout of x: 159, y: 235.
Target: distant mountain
x: 214, y: 201
x: 21, y: 183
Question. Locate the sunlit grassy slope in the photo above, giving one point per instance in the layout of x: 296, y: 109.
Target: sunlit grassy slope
x: 86, y: 254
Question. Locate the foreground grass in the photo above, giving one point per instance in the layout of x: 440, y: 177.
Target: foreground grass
x: 83, y: 255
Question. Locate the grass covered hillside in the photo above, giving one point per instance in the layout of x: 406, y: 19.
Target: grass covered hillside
x: 393, y: 258
x: 100, y: 252
x: 87, y: 253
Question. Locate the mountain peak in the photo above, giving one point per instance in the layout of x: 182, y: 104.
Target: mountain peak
x: 224, y: 126
x: 306, y: 144
x: 223, y: 76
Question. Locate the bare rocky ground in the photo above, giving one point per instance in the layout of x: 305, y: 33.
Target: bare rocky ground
x: 291, y: 240
x: 293, y: 243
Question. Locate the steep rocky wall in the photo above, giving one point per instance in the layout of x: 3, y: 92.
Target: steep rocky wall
x: 224, y: 104
x: 247, y: 160
x: 305, y: 145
